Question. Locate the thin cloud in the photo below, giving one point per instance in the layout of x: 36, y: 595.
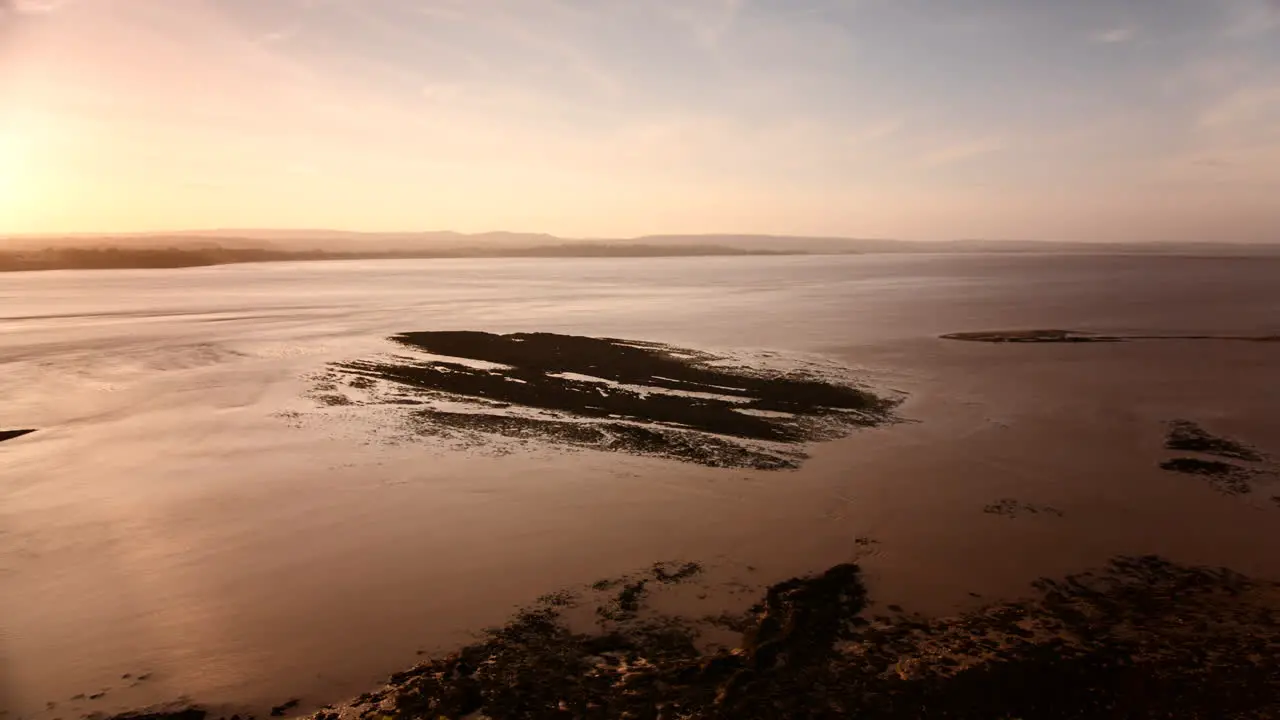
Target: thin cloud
x: 277, y: 36
x: 441, y: 92
x: 710, y: 21
x: 957, y: 153
x: 532, y: 30
x: 1234, y: 139
x: 825, y: 8
x: 874, y: 132
x: 29, y: 7
x: 1253, y: 106
x: 1251, y: 18
x: 1113, y: 36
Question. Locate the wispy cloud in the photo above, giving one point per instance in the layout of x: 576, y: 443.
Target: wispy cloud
x: 273, y: 37
x: 1233, y: 139
x: 547, y: 31
x: 874, y: 132
x: 710, y: 21
x: 15, y: 8
x: 961, y: 152
x: 1113, y: 36
x: 37, y: 7
x: 441, y: 92
x: 602, y: 115
x: 1251, y: 18
x: 1245, y: 107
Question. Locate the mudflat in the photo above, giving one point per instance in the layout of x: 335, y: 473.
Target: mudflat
x: 198, y: 522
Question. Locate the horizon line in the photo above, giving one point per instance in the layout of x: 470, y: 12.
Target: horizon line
x: 239, y: 233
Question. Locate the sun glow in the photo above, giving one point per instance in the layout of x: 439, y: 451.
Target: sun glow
x: 16, y: 173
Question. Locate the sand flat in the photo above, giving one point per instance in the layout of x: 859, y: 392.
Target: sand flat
x: 181, y: 514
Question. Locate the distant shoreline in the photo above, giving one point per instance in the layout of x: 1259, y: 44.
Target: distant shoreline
x: 200, y: 248
x: 172, y: 258
x: 114, y: 258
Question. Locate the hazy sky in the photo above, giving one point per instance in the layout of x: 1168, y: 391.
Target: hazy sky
x: 1052, y: 119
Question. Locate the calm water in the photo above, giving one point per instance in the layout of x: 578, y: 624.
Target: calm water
x: 184, y: 511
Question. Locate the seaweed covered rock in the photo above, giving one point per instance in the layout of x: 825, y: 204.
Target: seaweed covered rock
x: 1141, y: 638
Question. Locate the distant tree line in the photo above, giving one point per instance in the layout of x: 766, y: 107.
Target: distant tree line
x: 118, y: 258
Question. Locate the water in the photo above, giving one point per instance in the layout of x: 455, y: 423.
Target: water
x: 185, y: 512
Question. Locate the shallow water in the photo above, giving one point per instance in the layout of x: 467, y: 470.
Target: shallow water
x: 185, y: 511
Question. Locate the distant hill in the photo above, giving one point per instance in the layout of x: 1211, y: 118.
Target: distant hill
x: 218, y: 247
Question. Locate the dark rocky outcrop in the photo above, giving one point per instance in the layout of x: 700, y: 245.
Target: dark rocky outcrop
x: 1143, y: 638
x: 617, y: 395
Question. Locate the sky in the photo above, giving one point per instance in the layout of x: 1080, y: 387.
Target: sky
x: 1033, y: 119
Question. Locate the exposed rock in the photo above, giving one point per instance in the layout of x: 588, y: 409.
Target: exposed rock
x: 1226, y: 478
x: 1143, y: 638
x: 1029, y: 336
x: 1187, y: 436
x: 1011, y: 508
x: 285, y: 707
x: 608, y: 394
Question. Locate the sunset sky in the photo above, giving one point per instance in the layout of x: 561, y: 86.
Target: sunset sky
x: 1046, y: 119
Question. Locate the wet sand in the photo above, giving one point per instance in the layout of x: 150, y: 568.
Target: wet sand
x: 292, y: 549
x: 1141, y: 638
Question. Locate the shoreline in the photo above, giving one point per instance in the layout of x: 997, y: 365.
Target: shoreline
x: 1141, y: 636
x: 177, y: 258
x: 116, y: 258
